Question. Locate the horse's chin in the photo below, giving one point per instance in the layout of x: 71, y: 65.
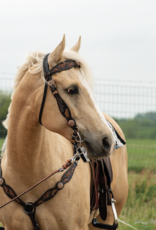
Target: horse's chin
x: 94, y: 153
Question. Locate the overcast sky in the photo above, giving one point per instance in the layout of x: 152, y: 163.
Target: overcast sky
x: 118, y: 36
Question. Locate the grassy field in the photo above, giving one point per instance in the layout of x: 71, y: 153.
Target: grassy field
x: 141, y: 154
x: 141, y: 202
x: 1, y: 142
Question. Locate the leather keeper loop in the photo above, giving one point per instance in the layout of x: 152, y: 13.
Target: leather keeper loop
x: 52, y: 83
x: 55, y: 92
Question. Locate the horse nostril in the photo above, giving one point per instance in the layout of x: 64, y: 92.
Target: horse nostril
x: 106, y: 144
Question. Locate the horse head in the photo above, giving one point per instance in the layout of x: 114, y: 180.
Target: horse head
x: 74, y: 88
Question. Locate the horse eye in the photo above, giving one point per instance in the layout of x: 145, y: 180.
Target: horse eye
x: 72, y: 90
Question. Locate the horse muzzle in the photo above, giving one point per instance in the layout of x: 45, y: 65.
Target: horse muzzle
x: 98, y: 149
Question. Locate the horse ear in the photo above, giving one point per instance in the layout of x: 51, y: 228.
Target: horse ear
x: 55, y: 56
x: 76, y: 47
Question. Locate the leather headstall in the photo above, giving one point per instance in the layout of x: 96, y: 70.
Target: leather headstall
x: 64, y: 109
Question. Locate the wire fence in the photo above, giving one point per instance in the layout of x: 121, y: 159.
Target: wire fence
x: 131, y: 104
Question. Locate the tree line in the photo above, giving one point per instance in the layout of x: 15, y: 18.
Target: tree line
x: 4, y: 104
x: 142, y: 126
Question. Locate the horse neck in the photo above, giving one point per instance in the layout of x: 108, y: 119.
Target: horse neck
x: 32, y: 148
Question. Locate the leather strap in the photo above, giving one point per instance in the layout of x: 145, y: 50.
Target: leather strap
x: 122, y: 141
x: 30, y: 208
x: 45, y: 69
x: 108, y: 170
x: 96, y: 172
x: 109, y: 177
x: 103, y: 187
x: 104, y: 226
x: 59, y: 186
x: 102, y: 177
x: 62, y: 66
x: 43, y: 102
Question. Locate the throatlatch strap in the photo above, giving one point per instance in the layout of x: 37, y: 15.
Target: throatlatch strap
x: 45, y: 64
x: 43, y: 102
x: 45, y: 69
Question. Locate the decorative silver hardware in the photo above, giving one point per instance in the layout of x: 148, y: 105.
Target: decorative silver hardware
x: 114, y: 210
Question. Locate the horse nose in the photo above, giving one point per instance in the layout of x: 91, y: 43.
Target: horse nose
x: 106, y: 144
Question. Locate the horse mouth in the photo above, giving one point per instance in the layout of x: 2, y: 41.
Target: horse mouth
x: 90, y: 152
x: 94, y: 154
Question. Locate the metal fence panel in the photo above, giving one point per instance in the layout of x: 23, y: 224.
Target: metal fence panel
x: 132, y: 104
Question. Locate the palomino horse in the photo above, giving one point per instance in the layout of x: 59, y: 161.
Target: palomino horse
x: 32, y: 151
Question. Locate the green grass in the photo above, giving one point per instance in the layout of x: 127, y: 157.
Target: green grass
x: 1, y: 142
x: 141, y: 202
x: 141, y: 154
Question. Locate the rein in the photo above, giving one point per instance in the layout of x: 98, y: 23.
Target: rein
x: 6, y: 187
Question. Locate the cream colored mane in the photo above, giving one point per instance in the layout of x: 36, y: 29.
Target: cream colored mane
x: 35, y: 59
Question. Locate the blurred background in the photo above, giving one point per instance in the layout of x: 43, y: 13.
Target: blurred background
x: 119, y: 43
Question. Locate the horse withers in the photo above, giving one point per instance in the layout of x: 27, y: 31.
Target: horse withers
x: 32, y: 151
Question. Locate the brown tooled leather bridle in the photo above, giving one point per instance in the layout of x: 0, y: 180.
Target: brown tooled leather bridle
x: 64, y: 109
x: 29, y: 207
